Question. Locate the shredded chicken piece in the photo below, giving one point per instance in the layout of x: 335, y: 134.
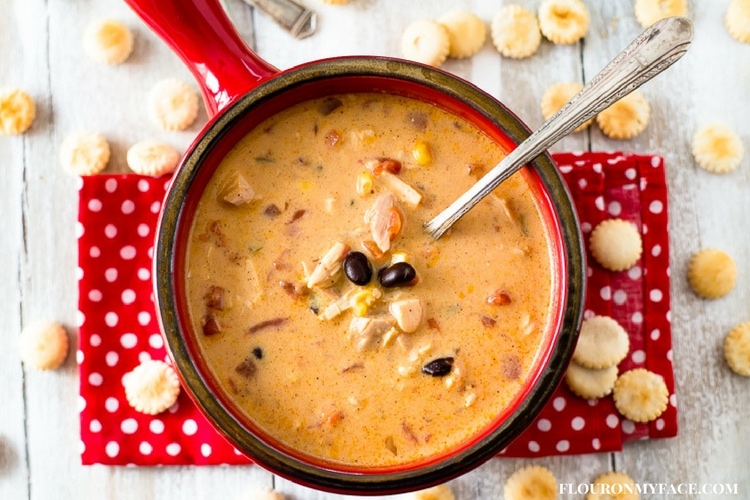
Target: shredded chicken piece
x: 526, y: 325
x: 406, y: 370
x: 408, y: 313
x: 329, y: 264
x: 404, y: 342
x: 404, y: 191
x: 335, y: 308
x: 390, y: 336
x: 236, y: 190
x: 339, y: 304
x: 415, y: 356
x: 368, y: 332
x: 254, y: 290
x: 456, y: 378
x: 510, y: 214
x: 384, y: 220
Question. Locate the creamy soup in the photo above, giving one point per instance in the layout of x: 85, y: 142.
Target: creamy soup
x: 326, y: 312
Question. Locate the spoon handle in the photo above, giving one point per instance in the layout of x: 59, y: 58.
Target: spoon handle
x: 652, y: 52
x: 297, y: 19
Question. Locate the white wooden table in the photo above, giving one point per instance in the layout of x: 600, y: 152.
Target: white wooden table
x: 40, y: 51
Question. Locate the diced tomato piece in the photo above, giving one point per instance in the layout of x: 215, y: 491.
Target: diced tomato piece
x: 499, y: 298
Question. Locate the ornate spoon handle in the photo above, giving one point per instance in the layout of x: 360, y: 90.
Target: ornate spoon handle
x: 297, y: 19
x: 652, y: 52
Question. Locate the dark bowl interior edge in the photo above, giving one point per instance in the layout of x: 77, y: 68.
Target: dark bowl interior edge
x: 165, y: 274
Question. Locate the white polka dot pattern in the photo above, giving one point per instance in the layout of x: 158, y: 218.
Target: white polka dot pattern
x: 631, y: 187
x: 118, y: 329
x: 118, y: 324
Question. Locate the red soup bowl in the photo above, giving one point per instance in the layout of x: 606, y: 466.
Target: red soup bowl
x: 240, y: 91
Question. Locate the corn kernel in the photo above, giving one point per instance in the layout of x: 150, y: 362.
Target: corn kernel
x: 362, y: 300
x: 390, y: 336
x: 360, y: 309
x: 399, y: 257
x: 422, y: 153
x: 365, y: 181
x: 362, y: 295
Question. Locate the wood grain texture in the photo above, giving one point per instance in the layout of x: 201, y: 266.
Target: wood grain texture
x: 41, y: 52
x: 706, y: 210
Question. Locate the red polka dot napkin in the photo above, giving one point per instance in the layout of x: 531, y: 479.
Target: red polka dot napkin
x: 633, y: 188
x: 118, y: 328
x: 118, y: 325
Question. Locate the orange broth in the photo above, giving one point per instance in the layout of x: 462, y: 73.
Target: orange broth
x: 338, y: 370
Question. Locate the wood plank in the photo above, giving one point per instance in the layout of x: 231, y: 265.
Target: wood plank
x: 14, y: 469
x: 521, y: 87
x: 42, y: 53
x: 111, y: 100
x: 700, y: 88
x: 519, y: 84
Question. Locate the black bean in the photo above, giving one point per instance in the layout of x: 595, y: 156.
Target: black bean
x: 399, y: 274
x: 357, y: 268
x: 439, y: 367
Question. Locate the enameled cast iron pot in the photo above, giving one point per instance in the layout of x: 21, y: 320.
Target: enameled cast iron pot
x: 240, y: 91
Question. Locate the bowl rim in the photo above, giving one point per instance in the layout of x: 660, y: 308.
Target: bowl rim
x: 172, y: 220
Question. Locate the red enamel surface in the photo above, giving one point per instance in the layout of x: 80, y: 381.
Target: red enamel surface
x: 204, y: 38
x: 201, y: 34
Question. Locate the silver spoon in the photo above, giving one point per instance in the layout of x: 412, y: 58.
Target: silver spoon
x: 294, y: 17
x: 652, y: 52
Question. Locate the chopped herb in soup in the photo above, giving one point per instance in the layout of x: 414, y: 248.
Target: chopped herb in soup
x: 328, y: 314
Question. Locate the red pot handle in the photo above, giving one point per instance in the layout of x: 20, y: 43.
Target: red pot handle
x: 200, y: 32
